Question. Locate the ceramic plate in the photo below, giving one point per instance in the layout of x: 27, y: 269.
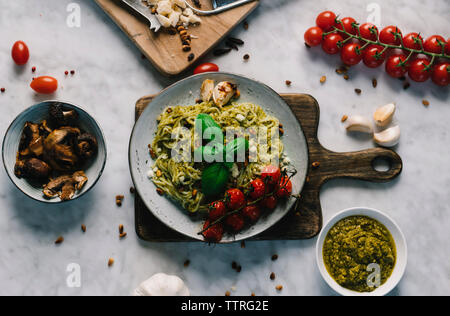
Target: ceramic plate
x: 186, y: 92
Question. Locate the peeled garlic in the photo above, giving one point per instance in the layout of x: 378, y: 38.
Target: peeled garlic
x: 223, y: 93
x: 359, y: 123
x: 389, y: 137
x: 383, y: 116
x: 206, y: 91
x: 162, y: 285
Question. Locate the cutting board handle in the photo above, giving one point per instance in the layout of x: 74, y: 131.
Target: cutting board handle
x: 361, y: 165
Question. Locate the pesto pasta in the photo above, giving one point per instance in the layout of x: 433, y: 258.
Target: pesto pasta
x: 181, y: 180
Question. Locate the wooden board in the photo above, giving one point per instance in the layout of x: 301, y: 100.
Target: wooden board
x: 305, y: 221
x: 165, y: 50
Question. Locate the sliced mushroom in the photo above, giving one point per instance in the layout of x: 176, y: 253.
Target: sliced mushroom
x: 58, y: 150
x: 223, y: 93
x: 80, y: 179
x: 65, y: 186
x: 206, y: 92
x: 30, y: 141
x: 86, y: 146
x: 36, y: 169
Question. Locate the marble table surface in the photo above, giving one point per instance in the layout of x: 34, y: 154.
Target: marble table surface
x: 111, y: 76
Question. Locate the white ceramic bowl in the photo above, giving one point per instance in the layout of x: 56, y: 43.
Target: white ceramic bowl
x: 400, y: 244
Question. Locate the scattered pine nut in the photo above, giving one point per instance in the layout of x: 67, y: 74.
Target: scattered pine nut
x: 272, y: 276
x: 426, y: 102
x: 194, y: 193
x: 316, y: 164
x: 246, y: 25
x: 346, y: 77
x: 83, y: 228
x: 227, y: 293
x: 279, y: 288
x: 243, y: 244
x: 288, y: 82
x: 59, y: 241
x: 344, y: 118
x: 123, y: 235
x: 358, y: 91
x: 158, y: 173
x: 160, y: 191
x: 187, y: 263
x: 323, y: 79
x: 253, y: 294
x: 275, y: 257
x: 110, y: 262
x: 374, y: 82
x: 121, y: 228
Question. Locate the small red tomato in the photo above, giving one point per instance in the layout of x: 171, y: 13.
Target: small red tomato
x: 441, y: 74
x: 20, y: 53
x: 349, y: 26
x: 234, y: 199
x: 269, y: 203
x: 271, y: 175
x: 252, y: 213
x: 235, y: 222
x: 326, y: 21
x: 44, y: 85
x: 394, y: 66
x: 447, y: 47
x: 373, y: 56
x: 412, y: 41
x: 285, y: 188
x: 257, y: 189
x: 351, y: 54
x: 434, y: 44
x: 391, y: 35
x: 217, y: 210
x: 418, y: 70
x: 214, y: 233
x: 313, y: 36
x: 206, y: 67
x: 369, y: 31
x: 331, y: 43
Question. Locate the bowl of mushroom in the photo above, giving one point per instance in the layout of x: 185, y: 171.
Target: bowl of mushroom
x: 54, y: 152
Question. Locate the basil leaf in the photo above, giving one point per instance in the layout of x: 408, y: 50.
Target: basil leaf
x: 210, y: 153
x: 209, y: 126
x: 237, y: 146
x: 214, y: 179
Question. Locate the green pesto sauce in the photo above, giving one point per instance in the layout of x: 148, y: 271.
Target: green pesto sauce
x: 351, y: 245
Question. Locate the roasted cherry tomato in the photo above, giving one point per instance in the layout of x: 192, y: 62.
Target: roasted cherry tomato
x: 271, y: 175
x: 252, y: 213
x: 206, y: 67
x: 351, y: 54
x: 214, y: 233
x: 269, y: 203
x: 234, y: 199
x: 330, y: 43
x: 285, y: 188
x: 44, y: 85
x: 373, y: 56
x: 235, y: 222
x: 447, y: 47
x: 326, y: 21
x: 257, y: 189
x: 394, y: 66
x: 217, y: 210
x: 369, y: 31
x: 412, y: 41
x: 348, y: 26
x: 391, y: 35
x: 434, y: 44
x: 441, y: 74
x: 418, y: 70
x: 20, y: 53
x: 313, y: 36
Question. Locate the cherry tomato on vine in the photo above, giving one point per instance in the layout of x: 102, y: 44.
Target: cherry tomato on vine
x: 234, y: 199
x: 313, y: 36
x: 418, y: 70
x: 252, y: 213
x: 441, y: 74
x: 348, y: 26
x: 372, y: 56
x: 326, y: 21
x: 447, y: 47
x: 391, y: 35
x: 235, y: 222
x: 434, y: 44
x: 217, y: 210
x: 206, y: 67
x: 271, y: 175
x: 44, y: 85
x: 285, y: 188
x: 351, y: 54
x: 20, y: 53
x: 330, y: 43
x: 412, y: 41
x: 214, y: 233
x: 257, y: 189
x: 269, y: 203
x: 369, y: 31
x: 394, y: 66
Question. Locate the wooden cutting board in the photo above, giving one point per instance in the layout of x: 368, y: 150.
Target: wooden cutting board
x: 305, y: 221
x: 165, y: 50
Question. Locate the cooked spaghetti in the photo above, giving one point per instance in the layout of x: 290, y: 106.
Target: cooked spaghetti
x: 182, y: 180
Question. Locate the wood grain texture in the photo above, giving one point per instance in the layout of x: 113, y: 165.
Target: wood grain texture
x: 165, y: 50
x: 305, y: 220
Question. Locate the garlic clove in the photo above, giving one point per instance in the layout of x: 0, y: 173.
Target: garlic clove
x: 383, y: 116
x: 162, y: 285
x: 360, y: 124
x: 223, y: 93
x: 389, y: 137
x: 206, y: 91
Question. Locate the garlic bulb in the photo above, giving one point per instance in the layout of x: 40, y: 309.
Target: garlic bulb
x: 389, y: 137
x: 162, y: 285
x: 383, y: 116
x: 359, y: 124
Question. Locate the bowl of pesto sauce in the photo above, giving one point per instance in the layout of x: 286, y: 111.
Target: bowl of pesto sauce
x: 361, y: 252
